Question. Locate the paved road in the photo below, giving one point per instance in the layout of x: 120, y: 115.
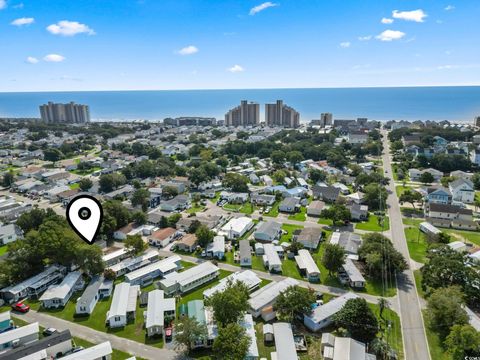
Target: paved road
x: 96, y: 337
x: 413, y: 329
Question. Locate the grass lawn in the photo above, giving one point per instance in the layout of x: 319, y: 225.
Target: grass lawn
x: 372, y: 224
x: 246, y: 208
x: 324, y: 221
x: 3, y: 249
x: 400, y: 189
x: 274, y: 210
x: 86, y: 172
x: 300, y: 216
x: 195, y: 208
x: 394, y: 331
x: 215, y: 199
x: 289, y: 228
x: 75, y: 186
x: 418, y: 282
x: 417, y: 243
x: 462, y: 235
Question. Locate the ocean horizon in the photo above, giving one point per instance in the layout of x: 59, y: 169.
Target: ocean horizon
x: 453, y: 103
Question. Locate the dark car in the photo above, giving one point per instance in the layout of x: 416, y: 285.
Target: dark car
x: 49, y: 331
x: 21, y: 307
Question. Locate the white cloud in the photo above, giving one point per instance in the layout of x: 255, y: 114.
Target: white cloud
x: 386, y: 21
x: 69, y: 28
x: 22, y: 21
x: 31, y: 60
x: 18, y: 6
x: 389, y: 35
x: 261, y: 7
x: 365, y: 38
x: 54, y: 58
x: 236, y: 69
x: 188, y: 50
x: 414, y: 15
x: 449, y: 8
x: 447, y: 67
x: 345, y: 44
x: 3, y: 4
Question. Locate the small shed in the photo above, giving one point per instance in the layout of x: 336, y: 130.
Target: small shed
x: 268, y: 333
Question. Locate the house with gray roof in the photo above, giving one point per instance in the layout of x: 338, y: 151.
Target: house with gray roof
x: 86, y: 303
x: 58, y: 295
x: 289, y: 205
x: 268, y: 231
x: 245, y: 253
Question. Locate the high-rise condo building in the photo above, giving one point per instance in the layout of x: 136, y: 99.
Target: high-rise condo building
x: 279, y: 114
x: 326, y: 119
x: 476, y: 121
x: 70, y: 113
x: 247, y: 114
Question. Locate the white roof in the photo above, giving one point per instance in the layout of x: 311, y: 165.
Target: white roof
x: 5, y: 316
x: 324, y: 312
x: 352, y: 271
x: 114, y: 254
x: 163, y: 266
x: 218, y: 244
x: 119, y: 300
x: 157, y: 305
x: 31, y: 281
x: 272, y: 255
x: 91, y: 353
x: 249, y: 327
x: 305, y: 261
x: 61, y: 290
x: 429, y: 227
x: 284, y: 342
x: 348, y: 349
x: 269, y: 293
x: 134, y: 261
x: 237, y: 225
x: 248, y: 277
x: 19, y: 333
x: 455, y: 245
x: 132, y: 297
x: 190, y: 275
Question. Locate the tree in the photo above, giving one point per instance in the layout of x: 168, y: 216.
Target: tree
x: 188, y: 330
x: 333, y: 258
x: 380, y: 257
x: 359, y: 320
x: 381, y: 349
x: 109, y: 274
x: 8, y: 179
x: 197, y: 175
x: 293, y: 301
x: 317, y: 175
x: 204, y: 235
x: 410, y: 197
x: 135, y: 244
x: 445, y: 309
x: 294, y: 157
x: 230, y: 304
x: 169, y: 191
x: 463, y: 342
x: 173, y: 219
x: 109, y: 182
x: 476, y: 180
x: 382, y: 305
x: 90, y: 259
x: 279, y: 176
x: 231, y: 343
x: 278, y: 157
x: 32, y: 219
x: 139, y: 218
x: 426, y: 178
x: 141, y: 198
x: 85, y: 184
x: 194, y: 225
x: 52, y: 154
x: 336, y: 213
x: 235, y: 182
x: 295, y: 246
x: 375, y: 196
x: 443, y: 237
x: 117, y: 211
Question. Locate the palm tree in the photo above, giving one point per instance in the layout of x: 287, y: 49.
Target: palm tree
x: 383, y: 304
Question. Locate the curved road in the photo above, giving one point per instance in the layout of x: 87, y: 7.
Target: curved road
x: 413, y: 329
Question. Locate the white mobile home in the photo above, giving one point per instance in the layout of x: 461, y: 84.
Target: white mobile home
x: 58, y: 295
x: 237, y: 227
x: 145, y: 275
x: 266, y: 296
x: 115, y: 256
x: 123, y: 305
x: 19, y: 336
x: 86, y: 303
x: 158, y: 309
x: 131, y: 264
x: 307, y: 265
x: 216, y: 249
x: 249, y: 325
x: 102, y: 351
x: 247, y: 277
x: 189, y: 279
x: 284, y: 342
x: 271, y: 260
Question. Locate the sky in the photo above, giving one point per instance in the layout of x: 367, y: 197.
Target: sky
x: 58, y: 45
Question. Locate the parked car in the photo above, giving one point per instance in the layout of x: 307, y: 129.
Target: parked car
x: 77, y: 349
x: 21, y: 307
x: 49, y: 331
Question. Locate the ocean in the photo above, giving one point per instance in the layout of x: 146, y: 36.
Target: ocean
x: 459, y: 103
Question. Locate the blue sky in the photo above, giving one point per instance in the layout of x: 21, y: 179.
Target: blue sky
x: 59, y: 45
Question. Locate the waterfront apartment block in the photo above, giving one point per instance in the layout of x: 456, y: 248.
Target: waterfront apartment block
x: 70, y: 113
x: 247, y: 114
x: 278, y: 114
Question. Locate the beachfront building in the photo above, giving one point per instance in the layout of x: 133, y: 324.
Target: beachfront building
x: 247, y: 114
x: 278, y: 114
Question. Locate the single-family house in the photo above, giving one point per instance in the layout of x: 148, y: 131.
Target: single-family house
x: 58, y: 295
x: 289, y: 205
x: 159, y: 311
x: 262, y: 300
x: 216, y: 249
x: 244, y: 253
x: 449, y: 212
x: 187, y: 243
x: 181, y: 282
x: 462, y: 191
x: 437, y: 195
x: 358, y: 212
x: 87, y: 302
x: 163, y: 237
x: 122, y: 233
x: 262, y: 199
x: 322, y: 315
x: 271, y: 260
x: 123, y: 306
x: 236, y: 227
x: 179, y: 202
x: 268, y: 231
x: 309, y: 237
x: 307, y: 265
x: 475, y: 156
x: 328, y: 194
x: 415, y: 174
x: 247, y: 277
x: 315, y: 208
x: 349, y: 241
